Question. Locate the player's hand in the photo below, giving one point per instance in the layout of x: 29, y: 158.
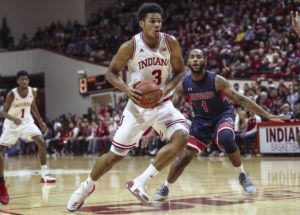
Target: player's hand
x: 44, y: 127
x: 133, y: 94
x: 17, y: 121
x: 162, y: 97
x: 275, y: 118
x: 295, y: 20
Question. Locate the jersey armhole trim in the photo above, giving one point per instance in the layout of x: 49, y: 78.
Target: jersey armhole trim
x: 134, y: 48
x: 15, y: 93
x: 167, y: 42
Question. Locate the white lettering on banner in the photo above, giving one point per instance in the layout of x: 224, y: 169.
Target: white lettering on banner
x: 279, y: 139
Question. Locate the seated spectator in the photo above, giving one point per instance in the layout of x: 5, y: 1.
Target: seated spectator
x: 249, y: 137
x: 285, y: 110
x: 240, y: 128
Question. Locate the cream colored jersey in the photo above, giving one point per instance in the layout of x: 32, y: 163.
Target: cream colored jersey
x: 150, y: 64
x: 20, y: 108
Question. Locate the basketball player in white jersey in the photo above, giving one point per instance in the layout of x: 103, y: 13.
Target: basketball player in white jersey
x: 150, y: 55
x: 19, y: 104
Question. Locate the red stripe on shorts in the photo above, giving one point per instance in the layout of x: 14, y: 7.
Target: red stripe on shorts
x: 175, y: 121
x: 121, y: 146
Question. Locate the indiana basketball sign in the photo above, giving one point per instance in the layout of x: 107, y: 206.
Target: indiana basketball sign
x: 278, y: 137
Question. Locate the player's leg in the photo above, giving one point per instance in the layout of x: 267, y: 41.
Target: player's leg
x: 170, y: 151
x: 9, y: 137
x: 4, y: 197
x: 46, y: 177
x: 39, y: 141
x: 194, y: 147
x: 125, y: 138
x: 175, y: 171
x: 33, y: 132
x: 2, y: 149
x: 225, y: 141
x: 180, y: 163
x: 171, y: 125
x: 164, y: 157
x: 103, y: 164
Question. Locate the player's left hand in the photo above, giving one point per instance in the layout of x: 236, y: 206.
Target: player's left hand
x: 44, y: 127
x: 275, y: 118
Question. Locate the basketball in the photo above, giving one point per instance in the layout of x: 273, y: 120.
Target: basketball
x: 150, y: 93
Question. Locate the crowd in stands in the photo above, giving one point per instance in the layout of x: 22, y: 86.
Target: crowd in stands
x: 6, y: 40
x: 242, y: 39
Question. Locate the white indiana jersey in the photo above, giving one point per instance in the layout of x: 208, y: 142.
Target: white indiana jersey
x: 20, y: 108
x: 150, y: 64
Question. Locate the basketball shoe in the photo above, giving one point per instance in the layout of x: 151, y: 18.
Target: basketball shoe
x: 78, y: 197
x: 47, y: 178
x: 161, y: 194
x: 4, y: 197
x: 246, y: 183
x: 138, y: 190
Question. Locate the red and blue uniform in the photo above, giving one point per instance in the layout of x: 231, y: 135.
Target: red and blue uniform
x: 213, y: 111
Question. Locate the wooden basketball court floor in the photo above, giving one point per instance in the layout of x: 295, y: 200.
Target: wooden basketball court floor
x: 208, y: 186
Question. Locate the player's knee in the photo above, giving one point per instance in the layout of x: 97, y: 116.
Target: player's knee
x: 40, y: 143
x: 181, y: 138
x: 226, y: 141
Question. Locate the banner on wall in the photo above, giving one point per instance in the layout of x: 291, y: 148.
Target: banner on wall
x: 278, y: 138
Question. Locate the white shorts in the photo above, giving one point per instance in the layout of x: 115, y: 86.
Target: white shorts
x: 165, y: 119
x: 10, y: 135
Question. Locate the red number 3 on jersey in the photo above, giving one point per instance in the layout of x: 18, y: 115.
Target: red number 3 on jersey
x: 157, y: 76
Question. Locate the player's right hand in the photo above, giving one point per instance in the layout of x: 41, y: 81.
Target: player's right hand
x: 294, y: 15
x: 295, y: 21
x: 17, y: 121
x: 44, y: 127
x: 133, y: 94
